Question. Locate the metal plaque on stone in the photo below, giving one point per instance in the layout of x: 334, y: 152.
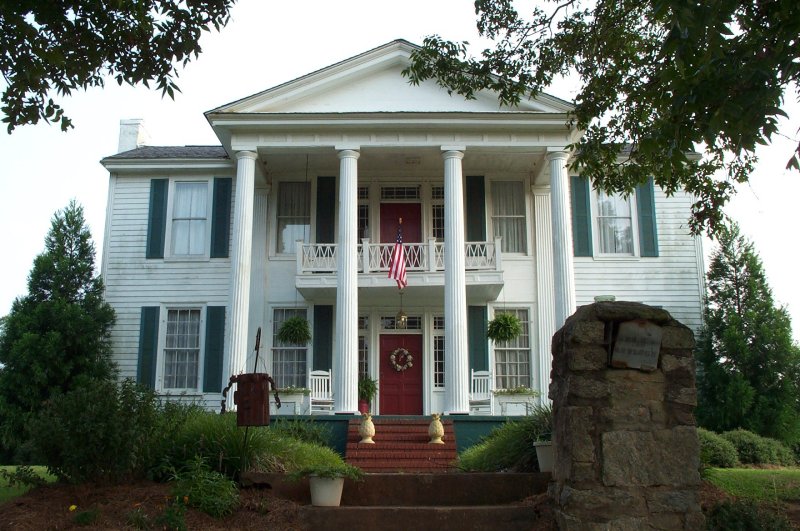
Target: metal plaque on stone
x: 637, y: 346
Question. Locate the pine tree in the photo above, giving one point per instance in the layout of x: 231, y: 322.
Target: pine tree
x: 58, y: 335
x: 749, y: 367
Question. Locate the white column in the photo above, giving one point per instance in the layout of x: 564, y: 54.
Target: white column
x: 258, y: 279
x: 456, y: 355
x: 345, y: 362
x: 546, y: 318
x: 563, y: 269
x: 241, y: 263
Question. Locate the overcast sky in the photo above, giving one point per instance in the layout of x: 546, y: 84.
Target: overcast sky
x: 265, y: 44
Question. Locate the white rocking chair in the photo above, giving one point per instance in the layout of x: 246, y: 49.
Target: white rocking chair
x: 321, y: 397
x: 480, y: 392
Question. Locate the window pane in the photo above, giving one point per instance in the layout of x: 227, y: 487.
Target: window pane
x: 182, y: 349
x: 289, y: 362
x: 189, y: 213
x: 294, y: 215
x: 512, y: 358
x: 615, y: 229
x: 508, y: 215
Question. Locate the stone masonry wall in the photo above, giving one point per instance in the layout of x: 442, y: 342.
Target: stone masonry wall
x: 626, y: 446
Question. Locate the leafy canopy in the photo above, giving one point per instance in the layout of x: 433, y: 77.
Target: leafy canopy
x: 57, y: 335
x: 749, y: 374
x: 664, y: 79
x: 60, y: 47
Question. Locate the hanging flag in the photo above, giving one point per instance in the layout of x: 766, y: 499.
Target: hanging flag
x: 397, y: 268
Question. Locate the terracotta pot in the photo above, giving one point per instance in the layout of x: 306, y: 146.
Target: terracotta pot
x: 363, y: 406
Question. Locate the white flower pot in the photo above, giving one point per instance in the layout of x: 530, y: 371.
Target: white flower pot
x: 544, y: 454
x: 326, y: 492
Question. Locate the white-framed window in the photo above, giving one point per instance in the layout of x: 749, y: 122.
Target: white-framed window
x: 190, y: 227
x: 363, y: 212
x: 182, y: 347
x: 512, y: 359
x: 437, y: 212
x: 363, y: 346
x: 293, y: 215
x: 508, y: 215
x: 614, y: 220
x: 289, y: 361
x: 438, y: 352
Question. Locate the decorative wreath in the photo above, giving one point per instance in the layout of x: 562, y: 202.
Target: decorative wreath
x: 401, y: 359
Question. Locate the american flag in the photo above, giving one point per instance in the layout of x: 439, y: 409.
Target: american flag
x: 397, y: 268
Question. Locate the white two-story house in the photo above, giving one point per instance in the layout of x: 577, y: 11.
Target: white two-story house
x: 296, y: 213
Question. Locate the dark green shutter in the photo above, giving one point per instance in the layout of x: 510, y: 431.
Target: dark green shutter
x: 646, y: 207
x: 476, y: 209
x: 323, y: 337
x: 326, y: 209
x: 215, y: 349
x: 157, y: 218
x: 148, y: 346
x: 477, y: 320
x: 581, y: 218
x: 221, y: 217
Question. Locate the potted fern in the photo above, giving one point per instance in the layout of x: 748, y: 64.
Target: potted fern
x: 294, y: 330
x: 367, y: 390
x: 327, y: 481
x: 504, y: 327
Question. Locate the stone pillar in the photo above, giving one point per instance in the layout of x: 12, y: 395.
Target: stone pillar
x: 258, y: 279
x: 345, y: 361
x: 626, y: 446
x: 241, y: 263
x: 546, y: 317
x: 563, y: 269
x: 456, y: 354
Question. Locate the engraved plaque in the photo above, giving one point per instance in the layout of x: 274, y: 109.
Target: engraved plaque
x: 637, y: 346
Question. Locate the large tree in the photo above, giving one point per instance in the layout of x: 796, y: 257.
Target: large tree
x: 51, y: 47
x: 668, y: 78
x: 749, y: 367
x: 58, y: 335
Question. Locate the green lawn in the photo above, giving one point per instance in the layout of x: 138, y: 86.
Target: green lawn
x: 6, y: 492
x: 756, y: 484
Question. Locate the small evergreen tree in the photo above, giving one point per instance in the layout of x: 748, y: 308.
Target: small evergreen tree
x: 58, y: 335
x: 748, y: 363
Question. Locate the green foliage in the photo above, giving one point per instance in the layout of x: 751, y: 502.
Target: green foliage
x: 367, y: 388
x: 746, y: 515
x: 302, y: 430
x: 15, y: 481
x: 772, y: 485
x: 509, y: 447
x: 173, y: 518
x: 294, y: 331
x: 48, y: 47
x: 504, y: 327
x: 205, y: 489
x: 98, y: 431
x: 339, y: 470
x: 519, y: 390
x: 663, y: 77
x: 716, y: 451
x: 757, y: 450
x: 57, y: 336
x: 749, y: 367
x: 87, y: 517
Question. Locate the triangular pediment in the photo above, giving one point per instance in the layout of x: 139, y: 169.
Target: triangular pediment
x: 372, y: 82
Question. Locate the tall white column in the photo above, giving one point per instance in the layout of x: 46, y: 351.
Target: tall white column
x: 456, y: 353
x: 563, y: 269
x: 345, y: 362
x: 241, y: 254
x: 258, y: 279
x: 544, y: 286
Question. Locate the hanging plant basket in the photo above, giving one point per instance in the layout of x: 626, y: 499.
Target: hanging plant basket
x: 504, y: 327
x: 294, y: 330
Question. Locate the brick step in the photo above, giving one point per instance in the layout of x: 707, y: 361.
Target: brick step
x: 400, y: 445
x: 504, y: 517
x: 394, y: 454
x: 415, y: 490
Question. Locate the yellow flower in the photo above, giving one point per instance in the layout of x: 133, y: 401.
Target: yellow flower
x: 72, y: 508
x: 186, y: 500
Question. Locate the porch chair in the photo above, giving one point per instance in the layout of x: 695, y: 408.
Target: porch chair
x: 321, y: 396
x: 480, y: 392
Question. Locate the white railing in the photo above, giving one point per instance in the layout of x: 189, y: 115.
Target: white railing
x: 428, y: 256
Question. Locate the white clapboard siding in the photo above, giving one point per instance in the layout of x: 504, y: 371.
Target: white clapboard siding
x: 672, y: 281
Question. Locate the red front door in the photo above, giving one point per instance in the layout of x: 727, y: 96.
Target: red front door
x: 401, y: 391
x: 411, y: 214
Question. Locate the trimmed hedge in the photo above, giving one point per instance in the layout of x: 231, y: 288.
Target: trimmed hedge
x: 716, y: 451
x: 757, y: 450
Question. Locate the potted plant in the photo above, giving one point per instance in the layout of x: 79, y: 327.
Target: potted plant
x: 504, y: 327
x: 327, y: 481
x: 294, y: 330
x: 520, y: 400
x: 367, y: 390
x: 544, y: 451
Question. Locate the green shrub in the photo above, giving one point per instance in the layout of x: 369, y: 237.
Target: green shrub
x: 716, y: 451
x: 98, y: 431
x: 509, y: 447
x: 304, y: 430
x: 211, y: 492
x: 743, y: 515
x: 754, y: 449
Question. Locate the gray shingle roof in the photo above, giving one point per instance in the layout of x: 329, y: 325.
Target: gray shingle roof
x: 172, y: 152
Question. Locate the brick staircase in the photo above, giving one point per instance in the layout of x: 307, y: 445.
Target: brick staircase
x: 401, y: 445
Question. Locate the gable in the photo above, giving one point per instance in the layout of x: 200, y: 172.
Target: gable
x: 373, y: 82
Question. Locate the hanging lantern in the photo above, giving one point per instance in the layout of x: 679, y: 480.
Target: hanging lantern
x: 401, y: 319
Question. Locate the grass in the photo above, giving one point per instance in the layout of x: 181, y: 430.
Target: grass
x: 757, y: 484
x: 7, y: 492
